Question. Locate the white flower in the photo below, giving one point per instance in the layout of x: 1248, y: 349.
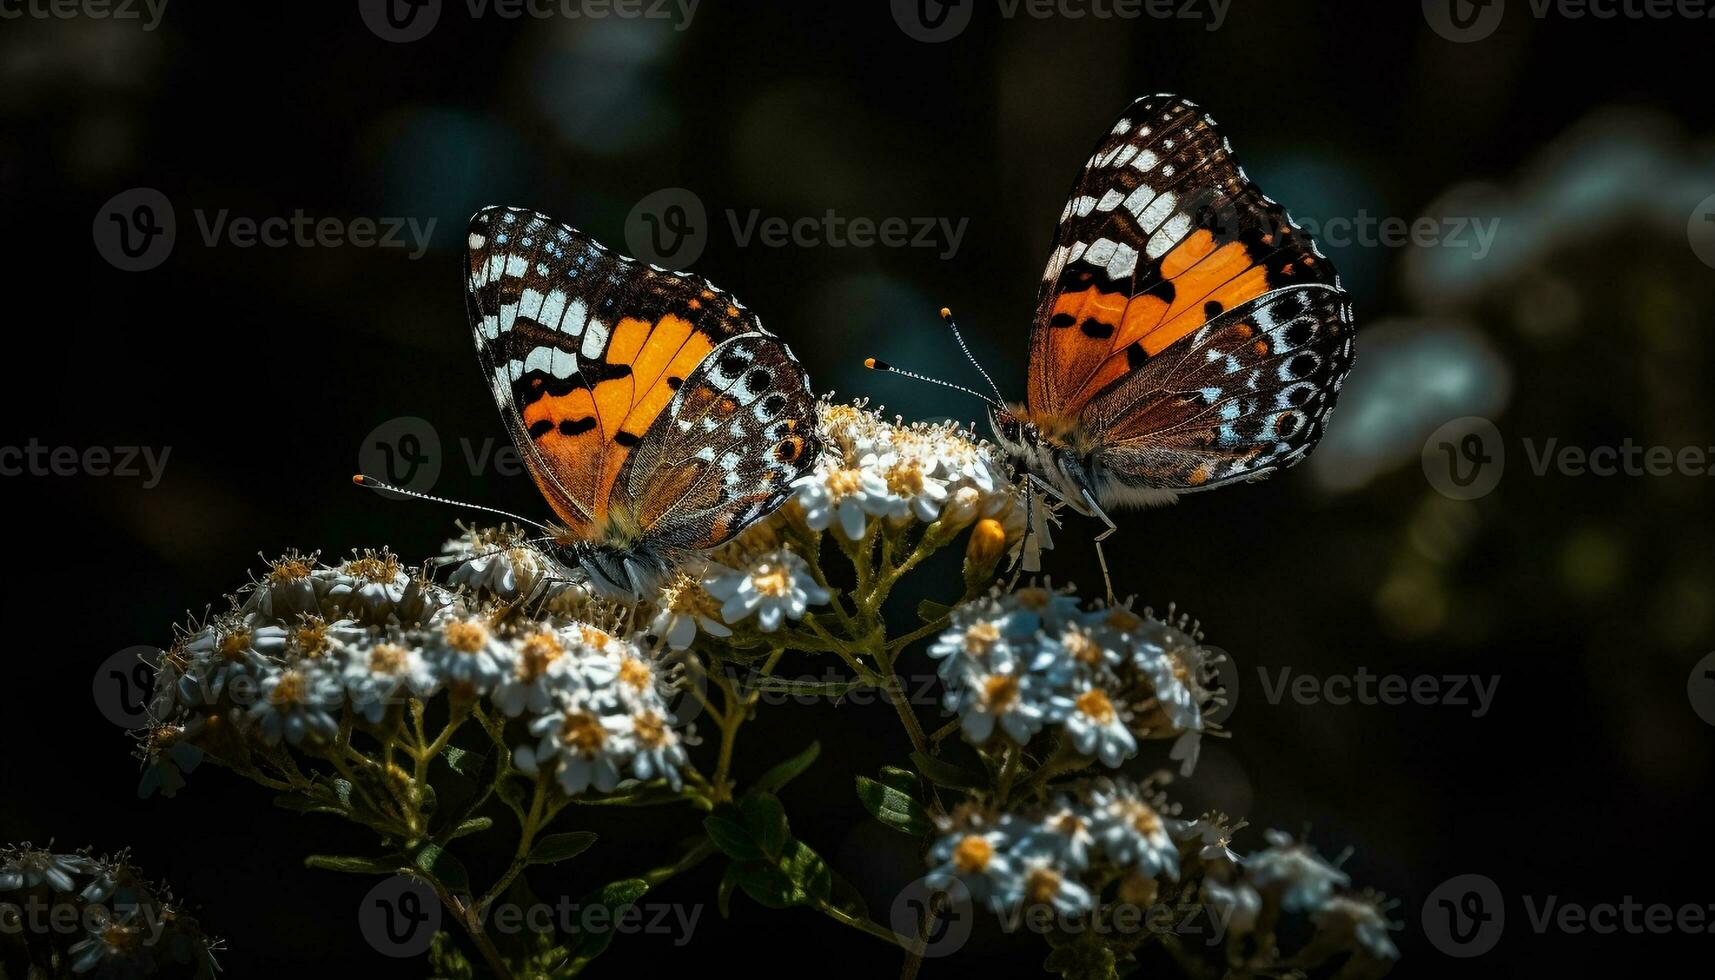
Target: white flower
x: 505, y: 572
x: 1131, y: 831
x: 977, y: 857
x: 910, y: 479
x: 298, y: 701
x: 28, y: 867
x: 1019, y: 703
x: 685, y: 609
x: 1238, y: 902
x: 1098, y: 728
x: 368, y: 587
x: 777, y: 586
x: 845, y: 497
x: 1304, y: 879
x: 376, y: 676
x: 584, y: 745
x: 466, y: 653
x: 1040, y: 883
x: 659, y: 753
x: 1361, y: 918
x: 539, y: 660
x: 1064, y: 837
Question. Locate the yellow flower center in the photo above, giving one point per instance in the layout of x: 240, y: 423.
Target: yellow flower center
x: 1082, y: 648
x: 1000, y: 691
x: 312, y: 638
x: 1144, y: 819
x: 233, y: 645
x: 973, y: 854
x: 371, y: 568
x: 387, y: 659
x: 466, y: 637
x: 981, y: 638
x: 1096, y: 705
x: 537, y: 654
x: 844, y: 483
x: 773, y: 583
x: 292, y: 689
x: 583, y: 732
x: 289, y: 570
x: 596, y: 638
x: 651, y: 729
x: 1042, y: 886
x: 636, y: 673
x: 906, y: 479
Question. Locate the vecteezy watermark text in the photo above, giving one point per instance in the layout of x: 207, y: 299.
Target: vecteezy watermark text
x: 933, y: 21
x: 137, y: 229
x: 1364, y: 688
x: 1464, y: 458
x: 403, y: 21
x: 34, y: 458
x: 148, y: 12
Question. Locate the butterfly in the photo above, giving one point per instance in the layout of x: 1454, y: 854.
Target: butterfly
x: 1188, y: 333
x: 654, y: 412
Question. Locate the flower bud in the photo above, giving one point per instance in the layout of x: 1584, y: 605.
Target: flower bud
x: 982, y: 554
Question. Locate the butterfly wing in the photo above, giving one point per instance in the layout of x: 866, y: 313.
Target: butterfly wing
x: 584, y: 348
x: 726, y: 450
x: 1245, y: 394
x: 1166, y: 253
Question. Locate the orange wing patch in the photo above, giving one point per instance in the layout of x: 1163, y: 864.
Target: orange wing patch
x: 588, y: 433
x: 1206, y: 281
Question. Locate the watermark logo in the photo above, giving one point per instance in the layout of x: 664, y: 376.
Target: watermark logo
x: 668, y: 228
x: 122, y: 686
x: 399, y: 917
x: 1464, y: 458
x: 1465, y: 916
x: 404, y: 21
x: 933, y: 21
x: 953, y: 917
x: 1701, y: 231
x: 404, y: 452
x: 671, y: 227
x: 1464, y: 21
x: 1700, y: 689
x: 148, y: 12
x: 135, y: 230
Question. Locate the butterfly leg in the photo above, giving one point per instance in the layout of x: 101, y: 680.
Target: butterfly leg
x: 1102, y: 557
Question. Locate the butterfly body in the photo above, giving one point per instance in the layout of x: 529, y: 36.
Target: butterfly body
x: 1188, y: 333
x: 656, y: 415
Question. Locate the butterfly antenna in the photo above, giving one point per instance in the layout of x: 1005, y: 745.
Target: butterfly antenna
x: 947, y: 315
x: 878, y: 365
x: 374, y: 484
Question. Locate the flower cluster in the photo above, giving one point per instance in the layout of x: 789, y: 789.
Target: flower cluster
x: 1060, y: 855
x: 1108, y: 843
x: 82, y: 915
x: 873, y: 470
x: 311, y: 651
x: 1017, y: 663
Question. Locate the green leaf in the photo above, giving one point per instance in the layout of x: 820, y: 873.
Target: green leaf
x: 1081, y: 961
x: 475, y: 825
x: 808, y: 871
x: 765, y: 818
x: 299, y: 803
x: 785, y: 772
x: 732, y: 838
x: 555, y: 848
x: 893, y: 807
x: 844, y: 896
x: 768, y: 885
x: 355, y: 865
x: 463, y: 761
x: 943, y: 773
x: 903, y: 780
x: 611, y: 896
x: 434, y: 861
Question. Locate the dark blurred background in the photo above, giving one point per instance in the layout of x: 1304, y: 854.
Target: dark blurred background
x: 1584, y: 144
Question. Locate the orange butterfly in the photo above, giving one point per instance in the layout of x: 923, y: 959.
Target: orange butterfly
x: 1188, y: 333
